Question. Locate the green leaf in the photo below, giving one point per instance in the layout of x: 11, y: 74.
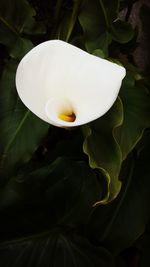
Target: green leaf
x: 103, y: 43
x: 110, y: 10
x: 95, y: 17
x: 102, y: 149
x: 61, y: 192
x: 119, y: 224
x: 14, y: 21
x: 89, y: 18
x: 136, y: 104
x: 20, y: 47
x: 17, y: 46
x: 99, y: 53
x: 54, y: 248
x: 19, y: 17
x: 21, y: 131
x: 73, y: 187
x: 122, y: 31
x: 67, y: 143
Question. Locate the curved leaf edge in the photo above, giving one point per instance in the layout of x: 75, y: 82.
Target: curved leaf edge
x: 108, y: 198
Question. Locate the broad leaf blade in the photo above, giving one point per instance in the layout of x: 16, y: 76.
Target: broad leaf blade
x: 119, y: 224
x: 92, y: 22
x: 104, y: 42
x: 17, y: 46
x: 21, y: 131
x: 103, y: 150
x: 122, y: 31
x: 136, y: 103
x: 110, y: 9
x: 61, y: 192
x: 54, y: 249
x: 95, y: 18
x: 16, y: 18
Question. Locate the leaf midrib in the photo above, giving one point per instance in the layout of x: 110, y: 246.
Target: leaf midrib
x: 104, y: 12
x: 16, y: 132
x: 4, y: 21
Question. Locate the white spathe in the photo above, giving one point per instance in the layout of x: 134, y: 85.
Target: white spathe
x: 58, y: 78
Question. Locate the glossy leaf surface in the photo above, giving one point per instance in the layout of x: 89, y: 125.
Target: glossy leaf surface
x: 125, y: 219
x: 122, y: 32
x: 136, y: 101
x: 21, y: 131
x: 102, y: 149
x: 97, y: 15
x: 49, y: 184
x: 16, y: 18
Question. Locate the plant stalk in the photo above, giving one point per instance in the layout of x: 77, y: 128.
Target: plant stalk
x: 104, y: 12
x: 73, y: 18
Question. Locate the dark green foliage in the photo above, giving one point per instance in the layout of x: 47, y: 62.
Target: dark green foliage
x: 16, y: 19
x: 54, y: 248
x: 99, y: 136
x: 76, y: 197
x: 21, y: 131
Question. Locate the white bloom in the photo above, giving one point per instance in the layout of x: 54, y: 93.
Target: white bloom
x: 65, y: 86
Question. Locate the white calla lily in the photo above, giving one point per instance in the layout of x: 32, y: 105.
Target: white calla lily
x: 66, y: 86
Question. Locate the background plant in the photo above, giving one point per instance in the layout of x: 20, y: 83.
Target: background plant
x: 80, y: 197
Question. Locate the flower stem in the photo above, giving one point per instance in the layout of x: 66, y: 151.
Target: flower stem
x: 56, y: 17
x: 57, y: 10
x: 73, y: 18
x: 104, y: 12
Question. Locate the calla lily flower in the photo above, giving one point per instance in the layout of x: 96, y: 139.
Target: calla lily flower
x: 66, y: 86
